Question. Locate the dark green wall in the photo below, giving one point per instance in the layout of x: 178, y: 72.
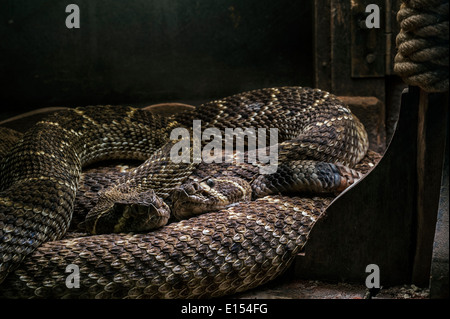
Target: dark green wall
x: 149, y: 51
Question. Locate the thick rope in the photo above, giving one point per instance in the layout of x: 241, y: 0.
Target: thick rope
x: 422, y: 43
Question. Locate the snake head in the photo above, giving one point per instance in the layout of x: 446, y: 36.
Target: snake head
x: 119, y: 210
x: 210, y: 194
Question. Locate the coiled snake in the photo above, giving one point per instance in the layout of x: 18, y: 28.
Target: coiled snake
x: 234, y: 248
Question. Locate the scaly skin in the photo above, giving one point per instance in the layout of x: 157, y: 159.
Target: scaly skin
x: 39, y: 178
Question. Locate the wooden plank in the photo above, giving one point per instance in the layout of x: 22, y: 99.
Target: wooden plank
x: 430, y: 149
x: 392, y: 29
x: 322, y: 45
x: 341, y: 57
x: 439, y: 263
x: 373, y: 222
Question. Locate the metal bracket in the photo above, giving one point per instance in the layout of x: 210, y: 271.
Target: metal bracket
x: 368, y: 45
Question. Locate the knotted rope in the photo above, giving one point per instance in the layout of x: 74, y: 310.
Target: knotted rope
x: 422, y: 43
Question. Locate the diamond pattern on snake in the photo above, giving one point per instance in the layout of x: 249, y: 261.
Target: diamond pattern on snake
x: 164, y: 229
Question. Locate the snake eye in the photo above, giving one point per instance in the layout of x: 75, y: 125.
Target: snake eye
x: 210, y: 182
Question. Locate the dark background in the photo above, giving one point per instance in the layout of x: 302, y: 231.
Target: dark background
x: 142, y: 52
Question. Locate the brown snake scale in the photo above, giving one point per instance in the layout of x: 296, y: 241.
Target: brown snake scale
x: 218, y: 253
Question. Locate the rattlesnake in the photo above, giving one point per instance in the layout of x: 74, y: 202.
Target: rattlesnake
x: 214, y: 254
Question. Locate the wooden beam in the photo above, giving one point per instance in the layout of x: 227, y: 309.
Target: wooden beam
x: 430, y: 151
x: 373, y: 222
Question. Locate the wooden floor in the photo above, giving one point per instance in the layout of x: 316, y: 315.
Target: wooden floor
x: 308, y: 289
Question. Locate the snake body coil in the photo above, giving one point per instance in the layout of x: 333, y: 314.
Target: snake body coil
x: 210, y: 255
